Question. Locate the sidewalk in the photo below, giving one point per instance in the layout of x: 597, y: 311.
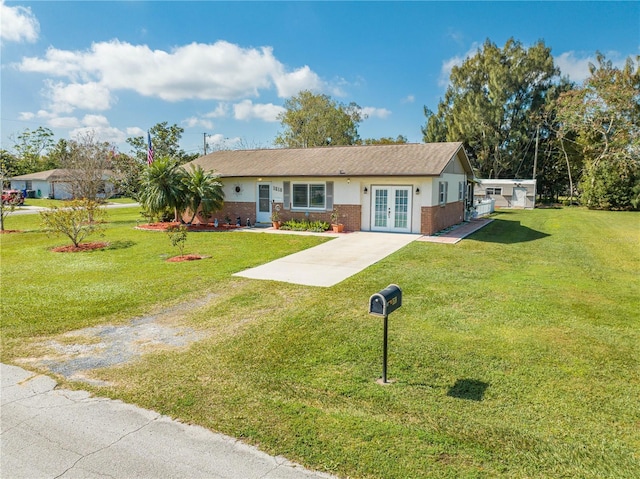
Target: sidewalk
x: 58, y: 433
x: 458, y: 232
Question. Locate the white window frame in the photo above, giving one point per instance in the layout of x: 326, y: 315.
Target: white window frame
x: 460, y: 190
x: 493, y: 190
x: 443, y: 188
x: 309, y: 186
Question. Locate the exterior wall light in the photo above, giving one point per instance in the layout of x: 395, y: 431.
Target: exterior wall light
x: 417, y: 191
x: 366, y: 190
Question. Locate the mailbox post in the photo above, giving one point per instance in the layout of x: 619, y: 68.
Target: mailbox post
x: 381, y: 304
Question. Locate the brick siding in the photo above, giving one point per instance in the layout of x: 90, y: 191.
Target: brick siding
x: 349, y: 216
x: 231, y: 209
x: 436, y: 218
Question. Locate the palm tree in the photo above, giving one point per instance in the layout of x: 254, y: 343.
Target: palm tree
x: 203, y: 191
x: 163, y: 187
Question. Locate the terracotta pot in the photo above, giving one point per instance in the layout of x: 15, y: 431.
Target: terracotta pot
x: 339, y: 228
x: 276, y: 224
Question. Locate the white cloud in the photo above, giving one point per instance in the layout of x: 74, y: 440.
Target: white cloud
x: 220, y: 112
x: 64, y: 122
x: 18, y: 24
x: 98, y: 125
x: 372, y: 112
x: 219, y: 142
x: 289, y: 84
x: 26, y: 116
x: 219, y: 71
x: 135, y: 131
x: 408, y: 99
x: 447, y: 65
x: 194, y: 121
x: 577, y: 68
x: 247, y: 110
x: 65, y: 98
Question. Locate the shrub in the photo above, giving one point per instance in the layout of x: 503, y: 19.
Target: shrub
x: 304, y: 225
x: 76, y: 220
x: 178, y: 237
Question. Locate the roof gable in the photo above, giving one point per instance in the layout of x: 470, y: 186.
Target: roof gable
x: 425, y: 159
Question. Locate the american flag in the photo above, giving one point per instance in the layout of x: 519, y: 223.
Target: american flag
x: 149, y: 149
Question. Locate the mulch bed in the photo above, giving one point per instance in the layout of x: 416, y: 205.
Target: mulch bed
x: 80, y: 248
x: 185, y: 257
x: 197, y: 227
x: 2, y: 232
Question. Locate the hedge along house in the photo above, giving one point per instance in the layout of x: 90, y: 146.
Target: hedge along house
x: 408, y: 188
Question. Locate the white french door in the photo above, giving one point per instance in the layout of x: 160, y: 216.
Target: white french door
x: 391, y: 209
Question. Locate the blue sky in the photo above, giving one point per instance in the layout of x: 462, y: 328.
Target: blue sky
x: 225, y: 68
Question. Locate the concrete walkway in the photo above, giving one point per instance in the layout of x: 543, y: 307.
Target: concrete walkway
x: 332, y: 262
x: 457, y: 233
x: 58, y: 433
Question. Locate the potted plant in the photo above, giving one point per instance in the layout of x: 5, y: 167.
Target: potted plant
x: 336, y: 226
x: 275, y: 219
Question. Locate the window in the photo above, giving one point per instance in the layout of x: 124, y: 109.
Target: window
x: 309, y: 195
x: 28, y: 185
x: 461, y: 191
x: 493, y: 191
x: 442, y: 192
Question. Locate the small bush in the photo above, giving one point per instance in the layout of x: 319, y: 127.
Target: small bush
x: 76, y: 220
x: 178, y: 237
x: 304, y: 225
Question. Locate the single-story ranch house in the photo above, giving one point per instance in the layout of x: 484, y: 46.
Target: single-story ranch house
x: 409, y: 188
x: 507, y: 193
x: 54, y: 184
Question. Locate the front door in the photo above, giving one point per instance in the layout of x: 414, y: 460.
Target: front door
x: 391, y: 208
x: 263, y: 213
x: 519, y: 197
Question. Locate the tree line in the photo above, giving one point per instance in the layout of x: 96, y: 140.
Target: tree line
x: 520, y: 119
x: 510, y: 106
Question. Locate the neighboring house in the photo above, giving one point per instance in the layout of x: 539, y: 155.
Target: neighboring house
x: 54, y: 184
x: 507, y: 193
x: 409, y: 188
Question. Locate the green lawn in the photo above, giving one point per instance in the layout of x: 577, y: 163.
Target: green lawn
x: 515, y: 353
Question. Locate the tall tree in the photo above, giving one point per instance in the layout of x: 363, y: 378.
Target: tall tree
x: 126, y: 174
x: 163, y: 187
x: 604, y: 114
x: 386, y: 140
x: 166, y: 143
x: 491, y: 105
x: 8, y: 166
x: 58, y: 154
x: 30, y: 147
x: 88, y: 164
x: 204, y: 191
x: 317, y: 120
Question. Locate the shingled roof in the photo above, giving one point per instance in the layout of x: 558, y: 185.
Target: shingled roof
x: 424, y: 159
x: 58, y: 174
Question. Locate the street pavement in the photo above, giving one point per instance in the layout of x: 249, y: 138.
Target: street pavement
x: 31, y: 210
x: 47, y: 433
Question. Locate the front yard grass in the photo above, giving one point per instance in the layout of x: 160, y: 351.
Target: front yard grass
x: 515, y: 353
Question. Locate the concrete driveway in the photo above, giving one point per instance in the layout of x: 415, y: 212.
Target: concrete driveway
x: 56, y: 433
x: 332, y: 262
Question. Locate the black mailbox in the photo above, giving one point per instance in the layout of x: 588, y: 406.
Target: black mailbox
x: 386, y: 301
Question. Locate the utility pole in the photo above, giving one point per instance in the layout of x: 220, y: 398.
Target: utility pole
x: 204, y: 138
x: 535, y: 156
